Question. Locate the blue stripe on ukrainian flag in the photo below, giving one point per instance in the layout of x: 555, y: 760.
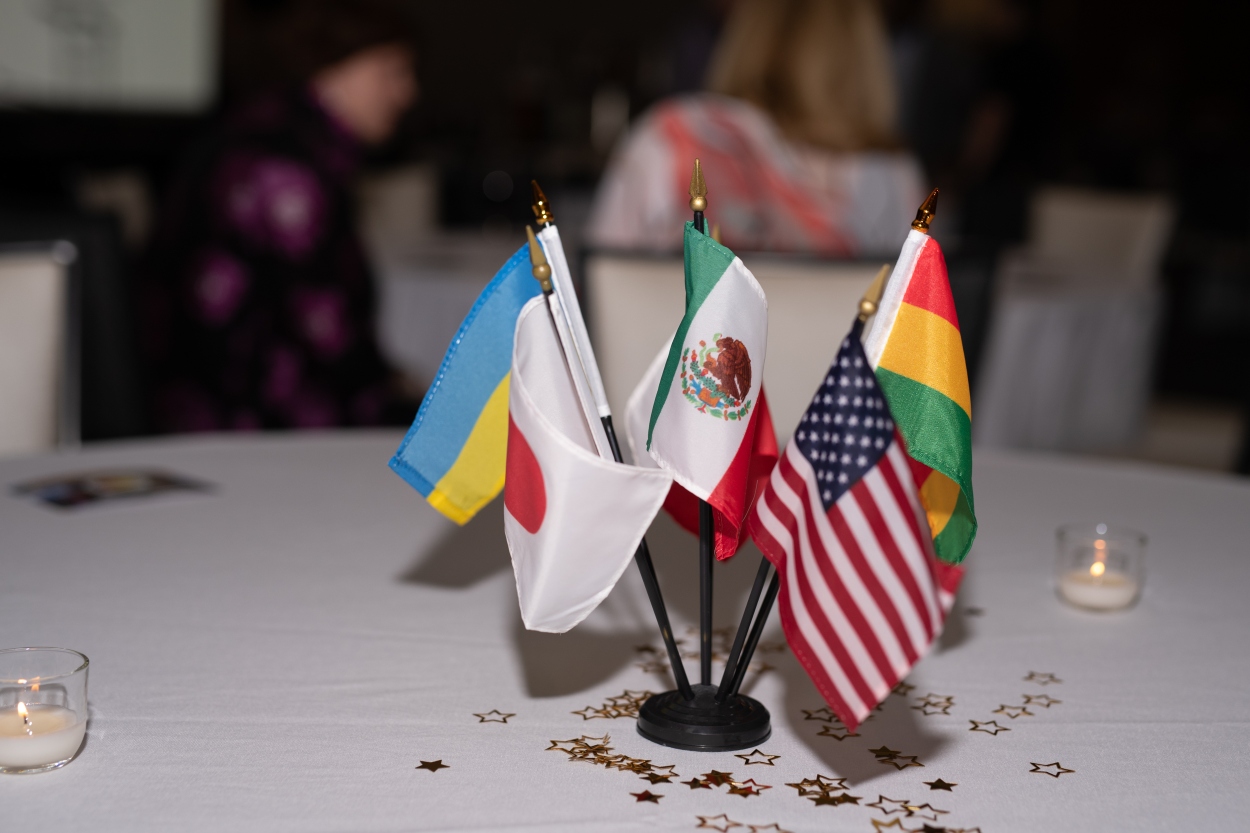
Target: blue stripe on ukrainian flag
x: 454, y: 453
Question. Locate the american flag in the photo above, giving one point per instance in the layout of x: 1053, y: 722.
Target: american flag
x: 861, y: 594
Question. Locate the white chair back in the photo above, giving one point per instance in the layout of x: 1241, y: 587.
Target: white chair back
x: 1119, y: 233
x: 1066, y: 365
x: 634, y: 303
x: 38, y: 382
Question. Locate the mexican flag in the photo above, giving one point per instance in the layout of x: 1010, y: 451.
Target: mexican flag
x: 915, y: 347
x: 709, y: 424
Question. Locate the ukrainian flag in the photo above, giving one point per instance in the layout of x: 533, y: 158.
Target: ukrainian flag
x: 455, y: 451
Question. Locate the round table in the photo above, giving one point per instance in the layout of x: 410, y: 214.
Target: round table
x: 308, y: 646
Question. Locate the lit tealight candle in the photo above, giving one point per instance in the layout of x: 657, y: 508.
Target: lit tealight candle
x: 1100, y: 568
x: 1097, y: 588
x: 37, y: 736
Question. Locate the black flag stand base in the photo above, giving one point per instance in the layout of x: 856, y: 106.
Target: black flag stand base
x: 715, y: 718
x: 704, y: 724
x: 706, y: 717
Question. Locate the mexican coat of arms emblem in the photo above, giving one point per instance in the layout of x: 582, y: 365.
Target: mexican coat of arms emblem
x: 716, y: 377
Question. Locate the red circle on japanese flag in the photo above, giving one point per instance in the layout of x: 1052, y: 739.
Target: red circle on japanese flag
x: 523, y: 493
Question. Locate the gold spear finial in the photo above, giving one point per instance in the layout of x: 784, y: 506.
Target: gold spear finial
x: 541, y: 206
x: 926, y: 212
x: 538, y: 260
x: 716, y: 232
x: 698, y: 189
x: 868, y: 304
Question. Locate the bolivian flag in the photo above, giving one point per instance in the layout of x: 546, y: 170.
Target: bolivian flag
x: 915, y: 347
x: 454, y: 454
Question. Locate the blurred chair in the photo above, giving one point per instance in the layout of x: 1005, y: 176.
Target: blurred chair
x: 634, y: 303
x: 1067, y: 362
x: 109, y: 392
x: 38, y: 348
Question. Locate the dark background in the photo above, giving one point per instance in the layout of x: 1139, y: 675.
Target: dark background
x: 996, y: 99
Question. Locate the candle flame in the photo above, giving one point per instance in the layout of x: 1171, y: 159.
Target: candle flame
x: 1100, y: 545
x: 35, y: 687
x: 21, y: 709
x: 1097, y: 568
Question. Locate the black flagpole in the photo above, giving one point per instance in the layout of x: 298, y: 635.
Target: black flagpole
x: 707, y: 523
x: 736, y: 669
x: 707, y: 722
x: 642, y: 557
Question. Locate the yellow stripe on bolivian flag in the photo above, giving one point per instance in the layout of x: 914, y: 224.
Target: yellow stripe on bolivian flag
x: 940, y: 495
x: 478, y: 473
x: 926, y: 348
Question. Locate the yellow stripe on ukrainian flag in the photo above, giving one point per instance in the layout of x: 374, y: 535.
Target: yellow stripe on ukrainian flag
x: 455, y: 453
x: 477, y: 475
x: 926, y: 348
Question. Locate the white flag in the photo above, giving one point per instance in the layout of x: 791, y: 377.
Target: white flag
x: 573, y: 519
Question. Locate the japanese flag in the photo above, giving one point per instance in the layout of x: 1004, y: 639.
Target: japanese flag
x: 573, y: 519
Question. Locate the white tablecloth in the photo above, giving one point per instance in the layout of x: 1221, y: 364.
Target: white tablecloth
x: 282, y: 654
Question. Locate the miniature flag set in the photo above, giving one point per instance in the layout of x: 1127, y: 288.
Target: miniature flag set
x: 863, y: 518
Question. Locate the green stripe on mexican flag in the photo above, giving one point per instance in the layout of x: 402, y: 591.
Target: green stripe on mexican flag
x: 709, y: 401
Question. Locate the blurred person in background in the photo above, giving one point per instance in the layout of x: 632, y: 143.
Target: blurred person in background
x: 258, y: 300
x: 796, y: 136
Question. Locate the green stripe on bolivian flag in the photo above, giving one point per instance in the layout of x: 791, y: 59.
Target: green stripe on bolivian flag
x: 925, y: 379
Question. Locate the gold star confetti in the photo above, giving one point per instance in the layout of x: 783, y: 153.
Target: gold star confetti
x: 1042, y: 678
x: 646, y: 649
x: 892, y: 824
x: 823, y: 713
x: 653, y: 667
x: 771, y: 647
x: 434, y: 766
x: 993, y: 727
x: 717, y: 779
x: 657, y: 778
x: 759, y: 828
x: 889, y: 806
x: 758, y: 757
x: 1013, y: 711
x: 833, y: 799
x: 493, y: 716
x: 588, y: 713
x: 698, y: 784
x: 747, y: 788
x: 937, y: 699
x: 836, y: 732
x: 900, y: 761
x: 884, y: 752
x: 564, y: 745
x: 1054, y: 770
x: 930, y: 709
x: 925, y: 811
x: 646, y: 795
x: 827, y: 783
x: 721, y: 822
x: 939, y: 784
x: 903, y: 689
x: 1043, y: 700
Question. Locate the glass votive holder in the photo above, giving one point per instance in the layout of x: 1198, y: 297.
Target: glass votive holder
x: 43, y: 708
x: 1099, y: 567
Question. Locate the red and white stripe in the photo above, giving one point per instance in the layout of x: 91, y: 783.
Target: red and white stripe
x: 862, y: 597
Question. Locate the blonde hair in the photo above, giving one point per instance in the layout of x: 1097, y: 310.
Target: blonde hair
x: 820, y: 68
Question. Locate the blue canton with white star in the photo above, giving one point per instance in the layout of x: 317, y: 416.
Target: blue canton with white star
x: 847, y: 428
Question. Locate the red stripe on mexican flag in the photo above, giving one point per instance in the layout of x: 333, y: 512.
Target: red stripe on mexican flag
x: 709, y: 423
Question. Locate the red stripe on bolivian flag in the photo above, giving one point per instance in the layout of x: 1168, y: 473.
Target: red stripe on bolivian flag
x: 916, y: 349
